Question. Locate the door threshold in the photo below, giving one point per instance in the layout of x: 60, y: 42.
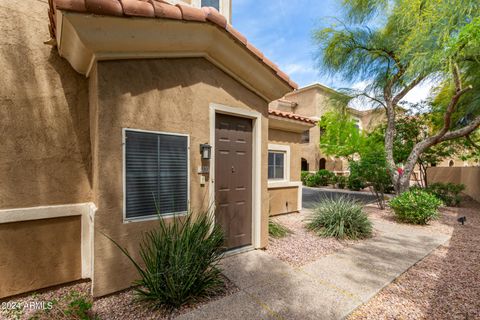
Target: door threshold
x: 236, y: 251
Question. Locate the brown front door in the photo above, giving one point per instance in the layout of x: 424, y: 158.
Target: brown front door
x: 233, y: 179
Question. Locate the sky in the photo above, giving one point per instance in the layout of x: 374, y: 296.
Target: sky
x: 283, y: 31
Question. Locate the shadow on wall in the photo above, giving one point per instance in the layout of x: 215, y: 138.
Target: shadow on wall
x: 45, y: 154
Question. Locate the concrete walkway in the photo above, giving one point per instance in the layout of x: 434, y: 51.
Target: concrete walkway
x: 329, y: 288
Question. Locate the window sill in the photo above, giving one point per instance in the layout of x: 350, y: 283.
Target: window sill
x: 272, y: 184
x: 155, y: 217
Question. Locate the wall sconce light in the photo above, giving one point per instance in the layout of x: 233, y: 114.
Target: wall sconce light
x: 206, y: 151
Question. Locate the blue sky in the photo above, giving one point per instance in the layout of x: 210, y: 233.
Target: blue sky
x: 282, y: 30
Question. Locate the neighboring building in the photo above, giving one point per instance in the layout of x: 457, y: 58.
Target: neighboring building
x: 285, y: 144
x: 127, y: 101
x: 313, y: 101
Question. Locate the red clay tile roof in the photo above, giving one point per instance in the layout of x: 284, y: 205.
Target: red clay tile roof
x: 291, y: 116
x: 162, y: 10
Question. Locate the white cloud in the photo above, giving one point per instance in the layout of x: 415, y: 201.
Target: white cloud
x: 361, y: 85
x: 298, y: 68
x: 420, y: 93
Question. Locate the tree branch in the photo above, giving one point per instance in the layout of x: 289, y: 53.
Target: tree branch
x: 407, y: 89
x: 462, y: 132
x: 373, y: 98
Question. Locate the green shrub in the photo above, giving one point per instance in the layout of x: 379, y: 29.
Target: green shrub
x: 312, y: 180
x: 341, y: 181
x: 449, y: 193
x: 341, y: 218
x: 325, y: 177
x: 354, y: 183
x: 277, y: 230
x: 179, y: 261
x: 416, y: 206
x: 303, y: 176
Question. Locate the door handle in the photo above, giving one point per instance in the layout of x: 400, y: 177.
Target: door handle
x: 233, y: 169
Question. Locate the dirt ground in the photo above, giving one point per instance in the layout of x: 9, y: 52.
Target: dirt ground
x: 444, y: 285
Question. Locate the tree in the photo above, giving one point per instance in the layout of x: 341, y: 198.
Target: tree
x: 373, y: 171
x: 340, y: 136
x: 414, y: 41
x: 411, y: 130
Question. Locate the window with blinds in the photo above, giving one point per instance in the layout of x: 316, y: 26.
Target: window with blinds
x: 156, y: 174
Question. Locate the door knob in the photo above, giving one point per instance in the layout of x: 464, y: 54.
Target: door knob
x: 233, y: 169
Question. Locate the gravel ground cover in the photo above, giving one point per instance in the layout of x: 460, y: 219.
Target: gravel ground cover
x: 119, y: 306
x: 302, y: 246
x: 444, y: 285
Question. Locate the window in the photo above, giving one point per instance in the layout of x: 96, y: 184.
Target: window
x: 276, y: 165
x: 306, y: 136
x: 211, y: 3
x: 156, y: 174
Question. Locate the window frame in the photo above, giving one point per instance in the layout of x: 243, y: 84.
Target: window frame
x: 124, y: 178
x: 285, y: 149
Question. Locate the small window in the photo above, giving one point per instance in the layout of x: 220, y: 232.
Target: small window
x: 276, y: 165
x: 211, y: 3
x: 156, y: 174
x: 306, y: 136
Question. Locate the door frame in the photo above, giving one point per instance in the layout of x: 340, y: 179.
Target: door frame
x: 256, y: 118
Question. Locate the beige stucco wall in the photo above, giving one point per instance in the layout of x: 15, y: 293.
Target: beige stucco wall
x: 171, y: 95
x: 283, y: 200
x: 314, y: 102
x: 38, y: 254
x: 469, y: 176
x: 45, y: 152
x: 294, y: 141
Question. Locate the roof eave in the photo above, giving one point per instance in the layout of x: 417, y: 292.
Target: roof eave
x: 83, y: 39
x: 286, y: 124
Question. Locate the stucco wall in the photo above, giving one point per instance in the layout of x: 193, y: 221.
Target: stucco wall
x: 293, y: 140
x: 283, y: 200
x: 45, y: 152
x: 38, y: 254
x: 171, y: 95
x: 469, y: 176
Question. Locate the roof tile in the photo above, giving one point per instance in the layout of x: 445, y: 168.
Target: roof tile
x: 234, y: 32
x: 192, y: 14
x: 166, y: 10
x: 160, y: 9
x: 257, y: 52
x: 214, y: 16
x: 291, y: 116
x: 105, y: 7
x: 140, y: 8
x: 73, y: 5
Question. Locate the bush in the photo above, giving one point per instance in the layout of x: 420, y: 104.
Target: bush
x: 372, y: 171
x: 416, y: 206
x: 277, y: 230
x: 320, y: 178
x: 449, y: 193
x: 179, y: 261
x: 325, y: 177
x: 340, y: 181
x: 341, y: 218
x: 303, y: 176
x: 312, y: 180
x: 354, y: 183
